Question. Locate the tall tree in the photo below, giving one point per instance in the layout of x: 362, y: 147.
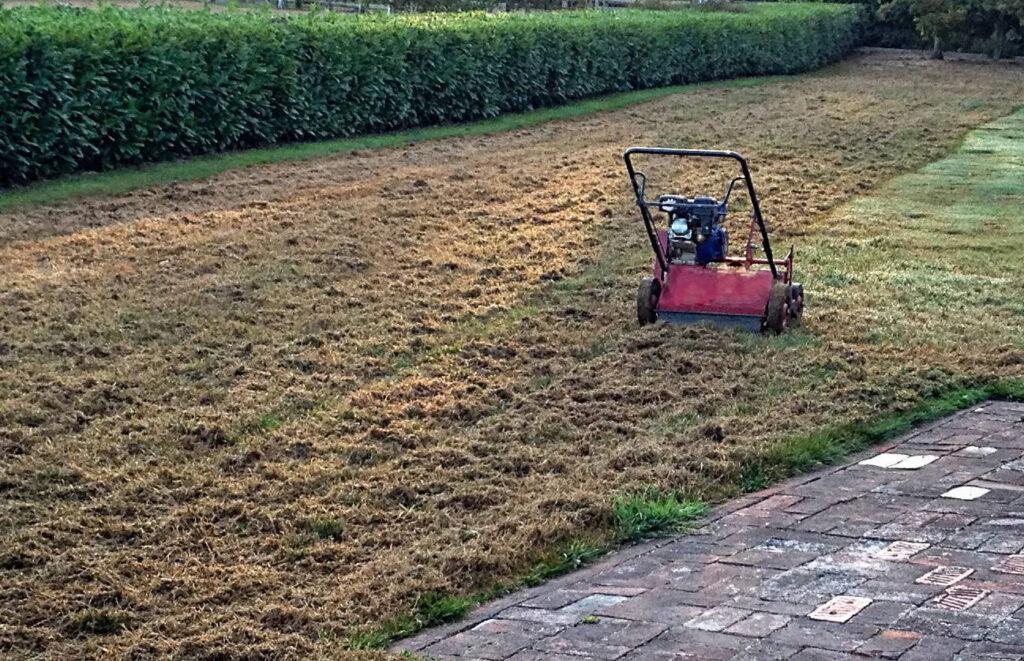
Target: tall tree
x: 935, y: 20
x: 1003, y: 15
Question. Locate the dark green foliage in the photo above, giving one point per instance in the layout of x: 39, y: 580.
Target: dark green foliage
x: 94, y: 90
x: 892, y: 28
x: 974, y: 26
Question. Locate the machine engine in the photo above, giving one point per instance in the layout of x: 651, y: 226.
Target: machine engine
x: 695, y: 234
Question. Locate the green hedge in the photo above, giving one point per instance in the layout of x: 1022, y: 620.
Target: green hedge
x: 94, y: 90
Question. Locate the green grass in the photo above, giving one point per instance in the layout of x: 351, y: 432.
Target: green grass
x: 929, y: 260
x: 947, y: 261
x: 431, y: 609
x: 328, y: 529
x: 98, y: 622
x: 652, y: 513
x: 121, y: 181
x: 567, y: 557
x: 827, y: 446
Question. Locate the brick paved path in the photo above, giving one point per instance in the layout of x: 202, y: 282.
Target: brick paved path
x: 911, y: 552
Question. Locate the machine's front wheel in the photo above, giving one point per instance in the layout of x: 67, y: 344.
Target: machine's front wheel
x: 647, y: 301
x: 776, y: 318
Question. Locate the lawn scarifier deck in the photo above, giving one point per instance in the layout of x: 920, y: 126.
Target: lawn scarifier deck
x: 694, y: 278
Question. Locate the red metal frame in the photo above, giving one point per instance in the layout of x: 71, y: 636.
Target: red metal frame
x: 784, y: 266
x: 731, y: 286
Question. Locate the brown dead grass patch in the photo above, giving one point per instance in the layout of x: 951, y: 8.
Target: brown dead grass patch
x: 431, y: 346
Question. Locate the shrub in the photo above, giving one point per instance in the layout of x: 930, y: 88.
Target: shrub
x: 974, y: 26
x: 93, y: 90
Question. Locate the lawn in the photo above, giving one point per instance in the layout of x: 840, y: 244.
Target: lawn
x: 261, y: 413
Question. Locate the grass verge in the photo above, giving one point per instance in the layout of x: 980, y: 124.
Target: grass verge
x: 121, y: 181
x: 827, y: 446
x: 648, y: 513
x: 653, y: 512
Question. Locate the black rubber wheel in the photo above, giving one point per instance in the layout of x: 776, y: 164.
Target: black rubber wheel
x: 796, y: 301
x: 776, y: 314
x: 647, y: 301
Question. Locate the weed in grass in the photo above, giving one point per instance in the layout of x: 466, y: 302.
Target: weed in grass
x: 835, y: 280
x: 673, y: 422
x: 445, y: 350
x: 328, y: 529
x: 379, y: 638
x: 268, y: 422
x: 594, y: 349
x: 98, y: 622
x: 58, y: 475
x: 436, y: 608
x: 652, y: 512
x: 402, y: 362
x: 540, y: 382
x: 290, y: 407
x: 973, y: 104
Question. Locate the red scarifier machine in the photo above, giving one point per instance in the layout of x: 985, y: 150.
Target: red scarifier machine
x: 695, y: 279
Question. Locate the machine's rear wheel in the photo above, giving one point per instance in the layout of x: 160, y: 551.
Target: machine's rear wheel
x: 647, y: 301
x: 796, y: 301
x: 776, y: 318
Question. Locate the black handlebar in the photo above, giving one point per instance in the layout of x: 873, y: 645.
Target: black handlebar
x: 728, y: 190
x: 639, y: 186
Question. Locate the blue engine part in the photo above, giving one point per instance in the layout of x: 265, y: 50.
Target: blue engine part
x: 697, y: 223
x: 714, y: 246
x: 707, y: 211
